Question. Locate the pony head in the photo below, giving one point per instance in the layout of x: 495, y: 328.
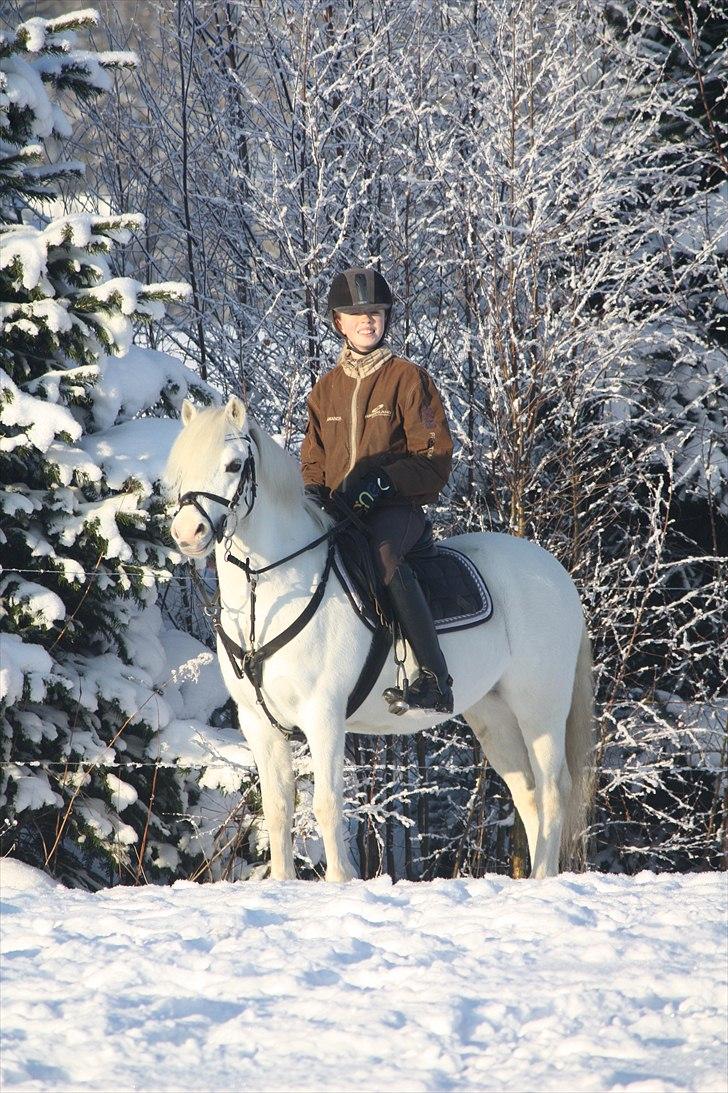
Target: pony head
x: 204, y: 473
x: 217, y: 463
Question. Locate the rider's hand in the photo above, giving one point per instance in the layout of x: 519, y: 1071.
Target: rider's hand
x: 364, y: 494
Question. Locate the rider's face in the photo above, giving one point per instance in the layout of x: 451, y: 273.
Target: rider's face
x: 363, y: 332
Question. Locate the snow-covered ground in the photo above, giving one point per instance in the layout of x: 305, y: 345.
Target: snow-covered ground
x: 581, y: 983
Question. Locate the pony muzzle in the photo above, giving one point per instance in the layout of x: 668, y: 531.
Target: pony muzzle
x: 193, y: 529
x: 192, y: 533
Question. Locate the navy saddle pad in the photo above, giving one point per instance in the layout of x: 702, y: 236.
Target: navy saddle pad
x: 455, y: 590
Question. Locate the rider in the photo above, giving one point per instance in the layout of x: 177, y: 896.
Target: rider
x: 377, y: 435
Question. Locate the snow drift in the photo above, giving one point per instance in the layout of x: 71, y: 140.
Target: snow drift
x: 586, y: 982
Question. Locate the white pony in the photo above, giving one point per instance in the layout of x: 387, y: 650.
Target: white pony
x: 522, y: 680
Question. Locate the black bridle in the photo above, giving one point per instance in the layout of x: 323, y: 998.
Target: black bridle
x: 247, y: 477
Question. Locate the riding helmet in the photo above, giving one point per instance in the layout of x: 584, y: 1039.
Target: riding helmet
x: 358, y: 290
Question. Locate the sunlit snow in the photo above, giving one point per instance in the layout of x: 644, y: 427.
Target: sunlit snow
x: 581, y: 982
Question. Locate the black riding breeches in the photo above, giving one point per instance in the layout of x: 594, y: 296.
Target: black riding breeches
x: 395, y: 530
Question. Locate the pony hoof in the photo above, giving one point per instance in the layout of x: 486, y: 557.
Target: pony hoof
x: 340, y: 876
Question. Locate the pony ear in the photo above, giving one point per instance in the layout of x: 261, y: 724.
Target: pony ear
x: 235, y: 411
x: 188, y: 412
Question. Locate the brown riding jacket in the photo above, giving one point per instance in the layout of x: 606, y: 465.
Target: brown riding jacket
x: 366, y: 415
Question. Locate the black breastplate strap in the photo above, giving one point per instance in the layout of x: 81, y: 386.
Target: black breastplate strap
x: 250, y: 662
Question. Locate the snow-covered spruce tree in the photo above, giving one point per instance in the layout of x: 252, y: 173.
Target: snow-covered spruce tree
x: 664, y: 712
x: 98, y: 701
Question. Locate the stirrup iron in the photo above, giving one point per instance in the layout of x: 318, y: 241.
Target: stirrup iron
x: 398, y: 698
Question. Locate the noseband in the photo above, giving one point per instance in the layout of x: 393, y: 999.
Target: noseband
x: 247, y: 478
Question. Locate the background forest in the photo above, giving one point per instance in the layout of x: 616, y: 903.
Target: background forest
x: 545, y: 185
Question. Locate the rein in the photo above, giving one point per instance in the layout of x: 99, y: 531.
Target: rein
x: 251, y: 661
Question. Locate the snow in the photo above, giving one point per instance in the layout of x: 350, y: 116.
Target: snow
x: 70, y: 461
x: 129, y: 384
x: 78, y: 229
x: 32, y: 789
x: 12, y: 502
x: 196, y: 674
x: 22, y: 662
x: 41, y: 421
x: 53, y: 314
x: 20, y: 876
x: 35, y: 34
x: 37, y: 600
x: 26, y: 244
x: 24, y: 89
x: 123, y: 794
x: 40, y: 548
x: 221, y: 755
x: 104, y: 823
x: 586, y: 982
x: 107, y: 677
x: 34, y: 727
x: 103, y: 515
x: 123, y: 290
x: 136, y: 450
x: 89, y: 17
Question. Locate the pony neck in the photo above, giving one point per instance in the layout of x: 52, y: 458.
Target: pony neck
x: 273, y: 530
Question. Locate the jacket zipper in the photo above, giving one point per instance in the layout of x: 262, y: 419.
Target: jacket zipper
x: 352, y: 435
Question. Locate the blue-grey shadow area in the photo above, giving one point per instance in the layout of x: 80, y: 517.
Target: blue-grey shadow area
x: 9, y: 908
x: 174, y: 1019
x: 42, y: 1072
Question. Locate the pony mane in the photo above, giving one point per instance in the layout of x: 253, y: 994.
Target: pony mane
x: 278, y: 471
x: 195, y: 454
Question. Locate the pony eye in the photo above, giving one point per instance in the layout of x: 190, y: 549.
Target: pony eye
x: 234, y: 466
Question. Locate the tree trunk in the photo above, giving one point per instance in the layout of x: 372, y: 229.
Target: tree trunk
x: 519, y: 849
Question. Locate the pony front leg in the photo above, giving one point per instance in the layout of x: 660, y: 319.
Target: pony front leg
x: 272, y: 754
x: 326, y: 742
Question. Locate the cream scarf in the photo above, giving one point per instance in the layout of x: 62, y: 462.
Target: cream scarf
x: 356, y: 365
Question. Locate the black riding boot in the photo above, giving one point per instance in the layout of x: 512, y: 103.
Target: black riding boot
x: 432, y: 688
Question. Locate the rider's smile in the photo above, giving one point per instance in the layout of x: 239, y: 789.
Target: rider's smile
x: 364, y: 332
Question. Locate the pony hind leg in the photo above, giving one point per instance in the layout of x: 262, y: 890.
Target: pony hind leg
x: 553, y: 789
x: 499, y: 735
x: 542, y: 720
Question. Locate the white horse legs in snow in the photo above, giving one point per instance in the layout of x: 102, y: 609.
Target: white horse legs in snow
x: 541, y: 714
x: 527, y: 751
x: 496, y: 728
x: 327, y: 755
x: 272, y: 754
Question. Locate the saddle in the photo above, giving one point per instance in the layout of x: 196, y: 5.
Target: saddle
x: 454, y: 588
x: 457, y: 595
